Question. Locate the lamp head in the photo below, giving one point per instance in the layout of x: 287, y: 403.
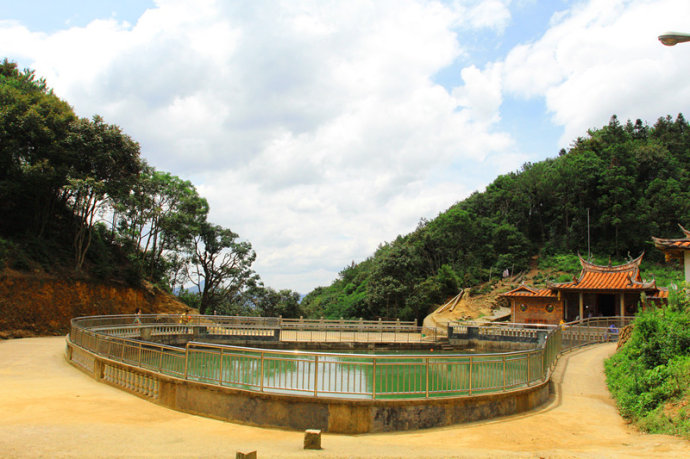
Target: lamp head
x: 673, y: 38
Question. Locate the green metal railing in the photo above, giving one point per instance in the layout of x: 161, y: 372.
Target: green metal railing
x: 321, y: 374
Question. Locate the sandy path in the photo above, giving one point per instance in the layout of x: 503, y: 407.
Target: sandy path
x: 50, y: 409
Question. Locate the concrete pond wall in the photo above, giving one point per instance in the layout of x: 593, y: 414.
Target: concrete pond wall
x: 304, y: 412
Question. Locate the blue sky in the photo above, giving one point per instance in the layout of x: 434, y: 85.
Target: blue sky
x: 52, y: 16
x: 319, y: 129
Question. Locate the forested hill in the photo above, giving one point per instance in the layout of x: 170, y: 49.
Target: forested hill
x: 633, y: 178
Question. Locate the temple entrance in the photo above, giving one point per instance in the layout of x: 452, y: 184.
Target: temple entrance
x: 572, y: 307
x: 606, y: 305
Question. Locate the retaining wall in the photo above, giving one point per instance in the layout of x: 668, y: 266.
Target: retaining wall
x: 299, y: 412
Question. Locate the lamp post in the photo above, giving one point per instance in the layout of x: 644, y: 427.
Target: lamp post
x: 673, y: 38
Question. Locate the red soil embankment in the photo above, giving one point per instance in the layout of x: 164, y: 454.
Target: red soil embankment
x: 40, y: 304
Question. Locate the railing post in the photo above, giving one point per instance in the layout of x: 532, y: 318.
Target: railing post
x: 427, y: 377
x: 373, y: 382
x: 528, y: 368
x: 471, y: 365
x: 139, y: 356
x: 504, y: 372
x: 316, y: 375
x: 220, y: 376
x: 262, y: 371
x: 186, y: 360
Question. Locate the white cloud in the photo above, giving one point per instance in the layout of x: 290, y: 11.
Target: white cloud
x: 313, y: 128
x: 602, y: 58
x: 481, y: 94
x: 481, y: 14
x: 490, y: 14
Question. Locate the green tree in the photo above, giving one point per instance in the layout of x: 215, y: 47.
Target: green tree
x: 160, y: 217
x: 104, y: 164
x: 34, y: 124
x: 220, y: 266
x: 272, y: 303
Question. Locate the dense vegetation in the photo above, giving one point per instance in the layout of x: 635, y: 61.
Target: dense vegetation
x: 632, y: 178
x: 77, y: 199
x: 650, y: 375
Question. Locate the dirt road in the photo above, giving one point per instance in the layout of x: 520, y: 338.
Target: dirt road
x: 50, y: 409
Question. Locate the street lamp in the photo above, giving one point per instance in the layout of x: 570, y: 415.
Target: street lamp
x: 673, y: 38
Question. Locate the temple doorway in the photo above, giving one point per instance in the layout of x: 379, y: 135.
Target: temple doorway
x: 606, y: 305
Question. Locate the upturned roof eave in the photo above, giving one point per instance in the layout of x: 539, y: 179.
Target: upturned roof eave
x: 669, y: 244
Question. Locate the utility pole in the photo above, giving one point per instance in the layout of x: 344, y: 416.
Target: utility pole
x: 589, y: 252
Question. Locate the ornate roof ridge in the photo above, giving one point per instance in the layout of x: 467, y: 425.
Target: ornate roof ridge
x: 665, y: 240
x: 632, y: 266
x: 661, y: 240
x: 523, y: 286
x: 643, y: 283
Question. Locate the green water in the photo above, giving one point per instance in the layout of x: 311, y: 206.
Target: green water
x: 362, y: 376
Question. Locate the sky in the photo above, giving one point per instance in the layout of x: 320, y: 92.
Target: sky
x: 319, y: 129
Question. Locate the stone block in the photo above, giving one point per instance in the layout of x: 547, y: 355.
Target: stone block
x: 245, y: 455
x: 312, y: 439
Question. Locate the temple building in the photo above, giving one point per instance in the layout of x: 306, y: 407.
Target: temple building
x: 599, y: 291
x: 676, y: 249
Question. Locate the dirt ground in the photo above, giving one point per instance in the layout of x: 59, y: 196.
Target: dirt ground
x: 50, y: 409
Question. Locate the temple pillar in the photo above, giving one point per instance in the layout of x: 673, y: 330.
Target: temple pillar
x: 622, y: 304
x: 687, y: 265
x: 582, y: 305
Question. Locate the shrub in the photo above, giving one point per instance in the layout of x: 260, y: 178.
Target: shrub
x: 650, y: 374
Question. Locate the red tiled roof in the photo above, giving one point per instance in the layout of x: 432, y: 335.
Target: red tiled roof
x: 673, y: 244
x: 594, y: 277
x: 631, y: 266
x: 605, y: 281
x: 662, y: 293
x: 599, y: 277
x: 524, y: 290
x: 678, y: 244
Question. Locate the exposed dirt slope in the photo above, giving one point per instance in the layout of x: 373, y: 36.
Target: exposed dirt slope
x: 41, y: 304
x: 483, y: 302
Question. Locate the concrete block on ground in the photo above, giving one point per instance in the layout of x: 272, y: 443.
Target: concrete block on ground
x: 245, y: 455
x: 312, y: 439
